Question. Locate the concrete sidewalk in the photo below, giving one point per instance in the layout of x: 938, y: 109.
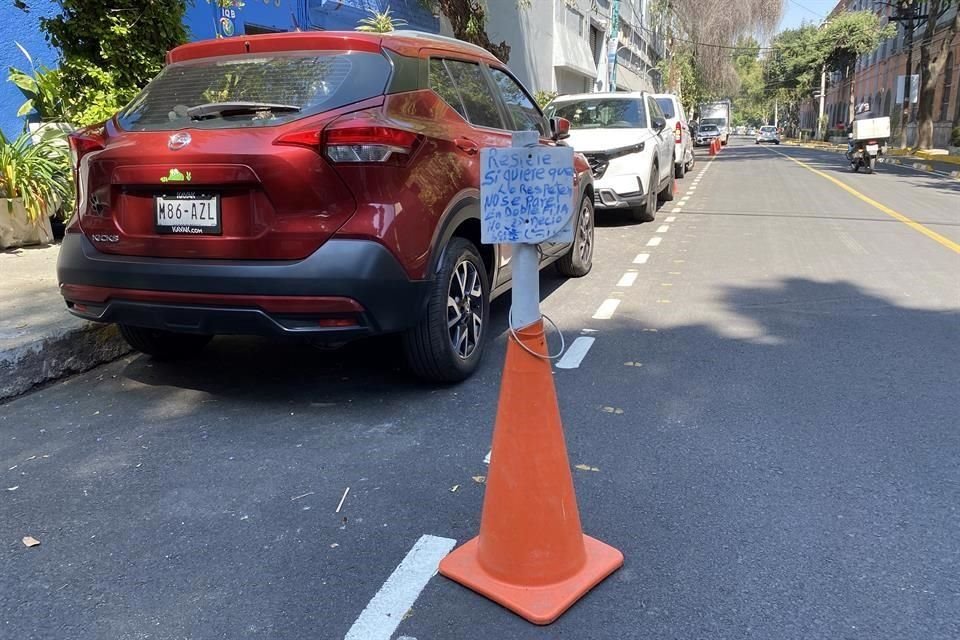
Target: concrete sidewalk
x: 39, y: 340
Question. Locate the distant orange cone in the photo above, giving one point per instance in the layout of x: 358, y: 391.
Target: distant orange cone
x: 531, y: 555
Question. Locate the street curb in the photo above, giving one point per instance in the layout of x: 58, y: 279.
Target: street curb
x: 71, y: 350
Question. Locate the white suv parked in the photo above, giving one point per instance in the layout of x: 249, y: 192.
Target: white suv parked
x: 625, y: 138
x: 683, y: 158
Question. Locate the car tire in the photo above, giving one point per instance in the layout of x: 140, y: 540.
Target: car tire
x: 429, y: 347
x: 578, y: 260
x: 164, y: 345
x: 679, y: 170
x: 666, y: 194
x: 648, y: 211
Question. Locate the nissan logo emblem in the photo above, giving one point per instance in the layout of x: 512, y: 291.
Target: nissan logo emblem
x: 179, y: 140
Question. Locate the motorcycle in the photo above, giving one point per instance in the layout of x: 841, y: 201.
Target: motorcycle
x: 863, y: 154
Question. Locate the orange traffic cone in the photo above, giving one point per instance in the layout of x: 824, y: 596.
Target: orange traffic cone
x: 531, y: 555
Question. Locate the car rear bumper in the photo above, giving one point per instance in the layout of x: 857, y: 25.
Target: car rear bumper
x: 345, y: 289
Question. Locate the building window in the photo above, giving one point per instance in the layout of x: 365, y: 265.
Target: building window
x: 947, y: 86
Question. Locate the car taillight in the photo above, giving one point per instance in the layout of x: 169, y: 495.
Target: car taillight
x: 83, y: 142
x: 678, y: 133
x: 368, y: 144
x: 357, y: 142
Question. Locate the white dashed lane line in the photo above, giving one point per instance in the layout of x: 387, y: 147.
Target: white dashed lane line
x: 627, y: 279
x: 641, y: 258
x: 670, y: 218
x: 385, y: 611
x: 606, y: 309
x: 576, y: 353
x: 652, y: 242
x: 663, y: 228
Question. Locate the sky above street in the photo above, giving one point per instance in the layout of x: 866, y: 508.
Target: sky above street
x: 799, y: 11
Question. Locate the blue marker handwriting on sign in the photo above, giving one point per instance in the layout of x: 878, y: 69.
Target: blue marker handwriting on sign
x: 526, y: 194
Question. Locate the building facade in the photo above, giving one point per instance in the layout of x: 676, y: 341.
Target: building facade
x: 562, y: 46
x: 878, y: 81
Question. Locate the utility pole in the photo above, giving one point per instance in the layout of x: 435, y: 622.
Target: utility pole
x: 613, y: 43
x: 823, y: 97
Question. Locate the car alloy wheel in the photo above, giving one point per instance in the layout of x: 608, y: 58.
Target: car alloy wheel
x: 465, y: 309
x: 584, y: 240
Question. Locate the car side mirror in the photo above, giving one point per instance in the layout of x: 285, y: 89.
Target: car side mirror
x: 659, y: 124
x: 559, y: 128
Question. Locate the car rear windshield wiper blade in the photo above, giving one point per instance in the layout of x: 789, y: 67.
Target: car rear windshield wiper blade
x: 237, y: 108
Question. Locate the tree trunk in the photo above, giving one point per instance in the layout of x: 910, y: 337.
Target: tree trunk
x: 905, y: 114
x: 853, y: 102
x: 933, y: 58
x: 464, y: 17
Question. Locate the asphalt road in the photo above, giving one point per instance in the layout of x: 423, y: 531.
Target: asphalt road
x: 771, y: 409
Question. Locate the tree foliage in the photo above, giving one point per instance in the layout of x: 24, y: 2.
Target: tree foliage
x: 468, y: 19
x: 704, y: 31
x: 110, y: 50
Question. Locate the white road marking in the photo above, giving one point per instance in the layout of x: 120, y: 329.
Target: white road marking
x: 385, y: 611
x: 575, y: 354
x: 693, y: 187
x: 670, y: 218
x: 684, y: 199
x: 652, y: 242
x: 486, y: 459
x: 641, y: 258
x: 663, y: 228
x: 606, y: 309
x: 676, y: 209
x: 627, y: 279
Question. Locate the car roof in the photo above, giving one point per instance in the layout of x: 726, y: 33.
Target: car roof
x: 407, y: 43
x: 666, y: 95
x: 600, y: 96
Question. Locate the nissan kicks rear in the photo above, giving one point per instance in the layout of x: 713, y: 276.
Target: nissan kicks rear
x: 311, y: 184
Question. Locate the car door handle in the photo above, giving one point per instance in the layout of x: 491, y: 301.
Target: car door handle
x: 467, y: 145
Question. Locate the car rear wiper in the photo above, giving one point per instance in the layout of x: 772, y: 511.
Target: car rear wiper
x: 201, y: 111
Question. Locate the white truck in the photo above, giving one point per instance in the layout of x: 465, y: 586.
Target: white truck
x: 719, y: 114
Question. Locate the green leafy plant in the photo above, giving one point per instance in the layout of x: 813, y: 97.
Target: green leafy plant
x: 41, y: 86
x: 108, y: 55
x: 543, y: 98
x: 380, y: 22
x: 38, y: 173
x: 955, y: 137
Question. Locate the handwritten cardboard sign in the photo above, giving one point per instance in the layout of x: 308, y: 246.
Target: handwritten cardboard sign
x: 526, y: 195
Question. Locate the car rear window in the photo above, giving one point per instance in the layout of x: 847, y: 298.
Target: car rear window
x: 708, y: 128
x: 768, y: 129
x: 602, y: 113
x: 311, y: 82
x: 666, y: 105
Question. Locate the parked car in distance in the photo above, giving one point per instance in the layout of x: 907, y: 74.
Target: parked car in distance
x: 625, y: 139
x: 316, y: 184
x: 706, y: 134
x: 768, y: 134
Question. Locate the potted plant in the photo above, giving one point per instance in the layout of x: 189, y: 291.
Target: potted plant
x: 44, y: 108
x: 34, y: 182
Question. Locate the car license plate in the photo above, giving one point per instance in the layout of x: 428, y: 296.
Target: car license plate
x: 187, y: 212
x: 872, y: 149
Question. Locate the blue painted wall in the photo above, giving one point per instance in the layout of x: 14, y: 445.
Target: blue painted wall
x: 23, y: 28
x: 203, y: 19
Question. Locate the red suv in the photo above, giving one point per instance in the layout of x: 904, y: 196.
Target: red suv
x: 315, y: 184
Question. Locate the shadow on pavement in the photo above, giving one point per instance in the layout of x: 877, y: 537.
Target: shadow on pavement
x: 787, y: 469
